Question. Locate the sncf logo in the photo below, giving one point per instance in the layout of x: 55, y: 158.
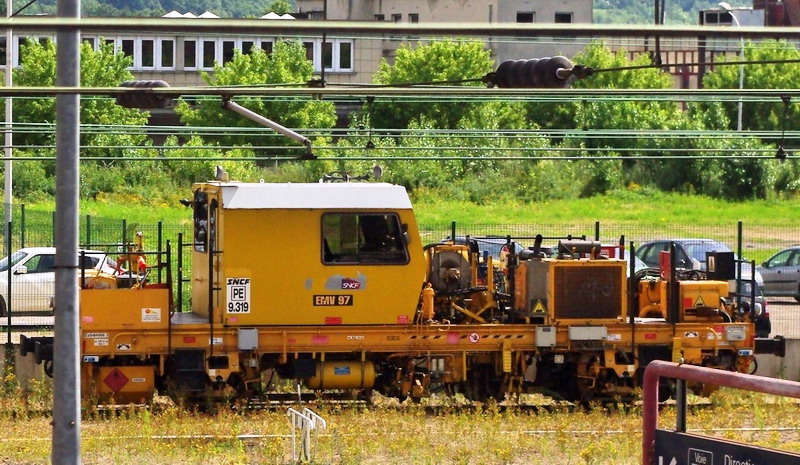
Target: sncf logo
x: 348, y: 283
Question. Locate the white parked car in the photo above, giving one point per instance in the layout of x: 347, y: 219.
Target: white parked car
x: 33, y: 277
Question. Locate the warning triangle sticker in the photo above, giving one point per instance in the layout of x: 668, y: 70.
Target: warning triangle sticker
x: 539, y: 307
x: 699, y: 302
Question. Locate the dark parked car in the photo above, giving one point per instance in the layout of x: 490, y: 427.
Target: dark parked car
x: 489, y: 246
x: 760, y: 312
x: 690, y: 254
x: 781, y: 273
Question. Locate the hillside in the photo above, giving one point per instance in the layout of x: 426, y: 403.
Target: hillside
x: 641, y: 12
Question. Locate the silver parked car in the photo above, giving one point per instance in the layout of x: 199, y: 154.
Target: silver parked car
x: 781, y: 273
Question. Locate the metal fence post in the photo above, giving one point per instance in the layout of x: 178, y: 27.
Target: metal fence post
x: 22, y: 227
x: 159, y: 233
x: 180, y: 272
x: 88, y: 231
x: 9, y: 346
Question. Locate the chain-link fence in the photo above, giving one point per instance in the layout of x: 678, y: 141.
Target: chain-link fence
x: 35, y: 229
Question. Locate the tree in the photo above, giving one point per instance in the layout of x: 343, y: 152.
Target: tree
x: 101, y: 68
x: 279, y: 7
x: 757, y: 115
x: 441, y: 60
x: 287, y: 64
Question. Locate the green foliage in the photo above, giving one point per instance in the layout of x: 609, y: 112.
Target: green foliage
x: 757, y: 115
x: 31, y: 181
x: 279, y: 6
x: 440, y: 60
x: 639, y: 12
x: 100, y: 68
x: 286, y: 64
x: 184, y: 173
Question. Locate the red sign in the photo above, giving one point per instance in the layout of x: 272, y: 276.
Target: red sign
x: 116, y: 380
x: 188, y: 339
x: 402, y: 319
x: 348, y: 283
x: 649, y: 335
x: 333, y: 320
x: 319, y: 339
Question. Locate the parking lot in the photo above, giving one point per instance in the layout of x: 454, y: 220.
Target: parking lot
x: 784, y: 313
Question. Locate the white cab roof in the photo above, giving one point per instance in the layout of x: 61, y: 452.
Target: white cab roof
x: 329, y: 196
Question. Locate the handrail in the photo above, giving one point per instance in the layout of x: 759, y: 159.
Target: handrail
x: 659, y: 368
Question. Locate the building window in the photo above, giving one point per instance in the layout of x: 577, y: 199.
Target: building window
x: 334, y: 55
x: 227, y: 51
x: 525, y: 17
x: 327, y: 55
x: 380, y: 17
x: 247, y: 46
x: 563, y: 18
x: 89, y: 40
x: 127, y: 46
x: 397, y: 17
x: 148, y: 53
x: 266, y: 46
x: 209, y: 53
x: 718, y: 17
x: 345, y: 56
x: 309, y: 46
x: 190, y: 54
x: 167, y: 49
x: 413, y: 17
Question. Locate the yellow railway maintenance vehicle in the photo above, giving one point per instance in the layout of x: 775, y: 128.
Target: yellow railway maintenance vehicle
x: 329, y: 284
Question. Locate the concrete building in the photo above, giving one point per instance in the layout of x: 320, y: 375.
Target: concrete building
x: 458, y: 11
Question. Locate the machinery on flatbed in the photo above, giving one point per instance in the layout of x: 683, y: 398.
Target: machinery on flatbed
x: 329, y: 284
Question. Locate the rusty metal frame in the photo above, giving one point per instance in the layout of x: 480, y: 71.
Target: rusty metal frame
x: 658, y: 368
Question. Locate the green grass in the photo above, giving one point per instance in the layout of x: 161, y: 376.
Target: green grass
x: 628, y: 206
x: 394, y: 434
x: 636, y: 206
x: 638, y: 214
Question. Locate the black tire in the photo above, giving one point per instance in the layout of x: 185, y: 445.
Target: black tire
x: 3, y: 311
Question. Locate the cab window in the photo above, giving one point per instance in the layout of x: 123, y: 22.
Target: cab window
x: 200, y: 221
x: 363, y: 238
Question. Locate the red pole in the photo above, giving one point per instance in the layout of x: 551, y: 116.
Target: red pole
x: 658, y: 368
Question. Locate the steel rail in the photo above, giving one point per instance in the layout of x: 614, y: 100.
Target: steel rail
x: 790, y: 154
x: 356, y: 28
x: 463, y: 91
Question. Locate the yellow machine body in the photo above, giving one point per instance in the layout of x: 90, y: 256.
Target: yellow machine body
x: 331, y: 285
x: 342, y: 375
x: 579, y: 289
x: 695, y: 298
x: 269, y: 261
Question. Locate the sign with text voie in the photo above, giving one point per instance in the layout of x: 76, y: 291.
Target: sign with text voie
x: 673, y: 448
